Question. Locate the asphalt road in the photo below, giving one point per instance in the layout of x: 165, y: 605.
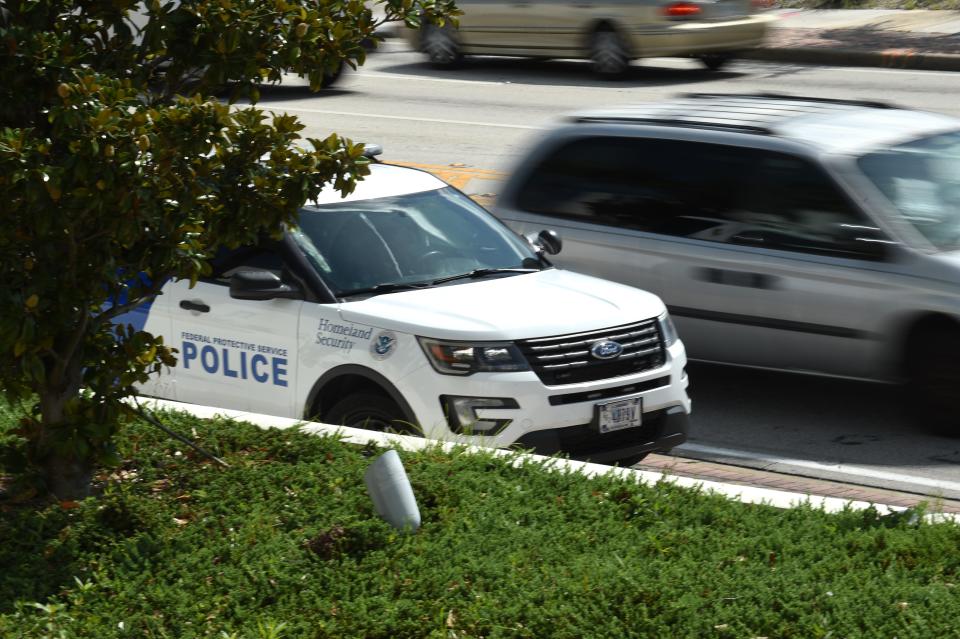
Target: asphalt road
x: 481, y: 117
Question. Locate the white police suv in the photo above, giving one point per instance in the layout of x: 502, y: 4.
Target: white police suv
x: 407, y: 306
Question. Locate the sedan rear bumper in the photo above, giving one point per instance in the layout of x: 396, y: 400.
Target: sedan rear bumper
x: 693, y: 37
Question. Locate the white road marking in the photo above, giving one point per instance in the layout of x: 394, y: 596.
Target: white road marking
x: 843, y: 469
x: 379, y: 75
x: 275, y: 106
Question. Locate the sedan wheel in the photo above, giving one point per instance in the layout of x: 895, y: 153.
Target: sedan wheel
x: 330, y: 78
x: 441, y: 46
x: 715, y: 61
x: 608, y: 54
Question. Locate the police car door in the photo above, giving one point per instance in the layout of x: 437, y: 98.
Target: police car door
x: 235, y: 353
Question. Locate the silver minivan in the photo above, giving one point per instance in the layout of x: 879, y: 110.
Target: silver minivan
x: 608, y: 32
x: 788, y: 233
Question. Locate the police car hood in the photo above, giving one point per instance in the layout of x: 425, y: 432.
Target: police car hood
x: 550, y: 302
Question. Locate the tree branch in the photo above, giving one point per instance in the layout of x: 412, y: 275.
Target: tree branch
x: 150, y: 419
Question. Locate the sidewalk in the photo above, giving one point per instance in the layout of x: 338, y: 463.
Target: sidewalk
x: 917, y: 39
x: 742, y: 476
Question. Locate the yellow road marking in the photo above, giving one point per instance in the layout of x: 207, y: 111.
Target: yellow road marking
x: 458, y: 176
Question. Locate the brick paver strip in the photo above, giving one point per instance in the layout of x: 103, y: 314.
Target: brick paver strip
x: 791, y: 483
x: 863, y: 39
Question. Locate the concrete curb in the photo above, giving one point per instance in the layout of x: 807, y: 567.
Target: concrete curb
x: 744, y: 494
x: 888, y: 58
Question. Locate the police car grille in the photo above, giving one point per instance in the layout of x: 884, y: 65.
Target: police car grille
x: 566, y: 359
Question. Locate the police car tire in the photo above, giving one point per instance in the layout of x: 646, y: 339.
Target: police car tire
x: 369, y: 411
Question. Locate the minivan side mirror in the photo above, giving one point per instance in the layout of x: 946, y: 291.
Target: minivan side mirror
x: 547, y: 241
x: 261, y: 285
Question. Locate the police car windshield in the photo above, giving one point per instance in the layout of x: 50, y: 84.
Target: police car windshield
x: 922, y: 181
x: 406, y: 241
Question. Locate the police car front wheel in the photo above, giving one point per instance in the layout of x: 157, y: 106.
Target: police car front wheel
x: 372, y: 412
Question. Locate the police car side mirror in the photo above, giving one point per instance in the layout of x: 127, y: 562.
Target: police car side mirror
x: 547, y: 241
x: 260, y: 285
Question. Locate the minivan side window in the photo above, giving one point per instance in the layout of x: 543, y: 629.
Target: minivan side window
x: 713, y: 192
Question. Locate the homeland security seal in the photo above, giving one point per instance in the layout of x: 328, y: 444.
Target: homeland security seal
x: 382, y: 345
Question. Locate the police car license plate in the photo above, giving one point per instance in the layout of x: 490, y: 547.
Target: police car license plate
x: 619, y: 414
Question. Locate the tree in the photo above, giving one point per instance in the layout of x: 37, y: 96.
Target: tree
x: 117, y: 173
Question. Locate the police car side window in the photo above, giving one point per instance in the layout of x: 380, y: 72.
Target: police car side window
x: 260, y: 257
x: 689, y: 189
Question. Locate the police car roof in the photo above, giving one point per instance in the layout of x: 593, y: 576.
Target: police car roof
x: 385, y: 180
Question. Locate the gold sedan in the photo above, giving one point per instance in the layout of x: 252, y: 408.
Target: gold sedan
x: 610, y: 33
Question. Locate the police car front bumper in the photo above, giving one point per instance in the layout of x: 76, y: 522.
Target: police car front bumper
x: 661, y: 431
x: 503, y: 409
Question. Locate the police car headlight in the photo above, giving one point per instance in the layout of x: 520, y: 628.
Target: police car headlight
x: 465, y: 358
x: 667, y: 330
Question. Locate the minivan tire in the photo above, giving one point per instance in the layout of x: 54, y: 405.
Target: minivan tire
x: 933, y: 377
x: 369, y: 411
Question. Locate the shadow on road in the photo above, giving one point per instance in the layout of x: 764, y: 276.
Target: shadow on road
x: 558, y: 73
x: 815, y: 418
x: 295, y: 91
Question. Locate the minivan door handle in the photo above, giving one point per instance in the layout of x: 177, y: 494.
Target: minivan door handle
x: 737, y: 278
x: 200, y: 307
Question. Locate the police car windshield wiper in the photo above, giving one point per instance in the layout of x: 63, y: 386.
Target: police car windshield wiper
x: 388, y: 287
x: 483, y: 272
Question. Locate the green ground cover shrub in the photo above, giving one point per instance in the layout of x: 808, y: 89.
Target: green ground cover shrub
x: 285, y: 543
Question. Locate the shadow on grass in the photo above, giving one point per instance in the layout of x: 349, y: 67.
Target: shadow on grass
x: 37, y: 564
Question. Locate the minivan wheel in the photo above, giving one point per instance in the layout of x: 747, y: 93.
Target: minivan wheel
x: 715, y: 61
x: 441, y: 46
x: 608, y: 54
x: 933, y: 382
x: 369, y: 411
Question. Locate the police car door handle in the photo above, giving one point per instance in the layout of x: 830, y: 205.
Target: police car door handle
x: 194, y: 306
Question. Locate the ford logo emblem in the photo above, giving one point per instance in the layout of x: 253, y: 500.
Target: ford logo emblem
x: 606, y: 349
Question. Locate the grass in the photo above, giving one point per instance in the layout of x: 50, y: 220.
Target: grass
x: 284, y: 543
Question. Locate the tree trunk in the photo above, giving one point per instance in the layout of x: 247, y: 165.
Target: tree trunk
x: 68, y: 478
